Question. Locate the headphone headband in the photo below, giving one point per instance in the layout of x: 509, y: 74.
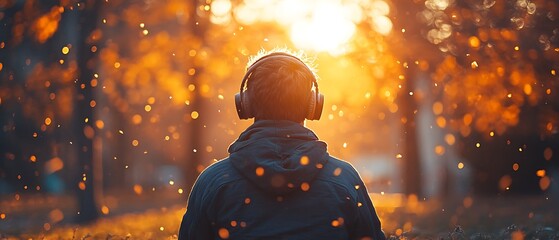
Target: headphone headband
x: 274, y: 55
x: 240, y: 101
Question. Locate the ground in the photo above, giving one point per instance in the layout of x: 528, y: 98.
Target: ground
x: 512, y: 217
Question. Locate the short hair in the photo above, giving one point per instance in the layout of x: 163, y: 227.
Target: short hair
x: 280, y: 88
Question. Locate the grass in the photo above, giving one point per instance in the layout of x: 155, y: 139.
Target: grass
x: 160, y: 223
x: 478, y: 219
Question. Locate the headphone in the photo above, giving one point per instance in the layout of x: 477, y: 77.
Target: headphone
x: 242, y: 102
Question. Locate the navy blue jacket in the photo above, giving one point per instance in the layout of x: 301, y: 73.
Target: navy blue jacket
x: 279, y: 183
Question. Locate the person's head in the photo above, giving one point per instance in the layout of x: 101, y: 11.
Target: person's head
x: 279, y: 87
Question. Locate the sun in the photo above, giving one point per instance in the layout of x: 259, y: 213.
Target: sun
x: 318, y: 25
x: 326, y: 30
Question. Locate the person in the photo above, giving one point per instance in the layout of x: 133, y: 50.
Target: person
x: 279, y: 182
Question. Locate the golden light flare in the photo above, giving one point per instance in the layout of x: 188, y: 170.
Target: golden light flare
x: 473, y: 41
x: 136, y: 119
x: 259, y: 171
x: 337, y: 172
x: 65, y: 50
x: 437, y: 108
x: 305, y: 187
x: 474, y: 64
x: 337, y: 222
x: 138, y: 189
x: 450, y: 139
x: 527, y: 89
x: 48, y: 121
x: 194, y: 115
x: 439, y: 150
x: 100, y: 124
x: 191, y: 87
x: 105, y: 210
x: 441, y: 122
x: 304, y: 160
x: 223, y: 233
x: 81, y: 185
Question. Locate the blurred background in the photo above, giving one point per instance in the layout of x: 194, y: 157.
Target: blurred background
x: 115, y: 106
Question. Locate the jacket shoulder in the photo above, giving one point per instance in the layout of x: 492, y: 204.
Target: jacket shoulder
x: 342, y: 169
x: 217, y: 174
x: 341, y: 173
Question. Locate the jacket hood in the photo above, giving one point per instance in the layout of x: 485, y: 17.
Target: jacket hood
x: 278, y: 156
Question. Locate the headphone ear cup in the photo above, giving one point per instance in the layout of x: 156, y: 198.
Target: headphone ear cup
x: 312, y: 106
x: 316, y: 104
x: 243, y: 108
x: 318, y: 107
x: 238, y: 105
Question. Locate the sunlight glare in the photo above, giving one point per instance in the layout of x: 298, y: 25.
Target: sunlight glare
x: 220, y: 11
x: 382, y: 24
x: 322, y: 26
x: 326, y: 30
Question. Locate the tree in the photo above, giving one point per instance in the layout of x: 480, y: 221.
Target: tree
x: 85, y: 102
x: 489, y: 75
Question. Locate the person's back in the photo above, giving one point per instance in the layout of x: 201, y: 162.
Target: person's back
x: 279, y: 182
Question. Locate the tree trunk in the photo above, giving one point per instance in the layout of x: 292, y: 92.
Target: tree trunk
x: 83, y: 110
x: 196, y: 126
x: 412, y: 166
